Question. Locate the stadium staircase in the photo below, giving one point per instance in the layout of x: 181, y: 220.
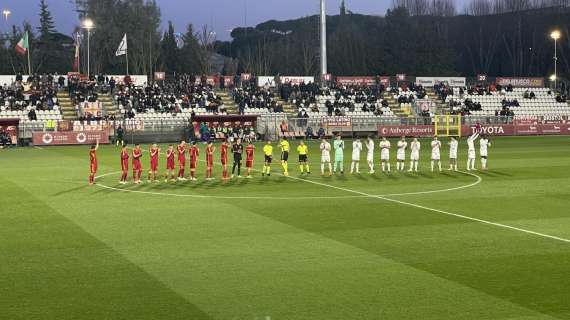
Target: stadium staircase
x: 228, y: 101
x: 396, y: 108
x: 441, y: 106
x: 66, y: 106
x: 109, y: 105
x: 288, y: 108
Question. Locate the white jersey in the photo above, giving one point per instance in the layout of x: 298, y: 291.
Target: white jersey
x: 385, y: 150
x: 370, y: 148
x: 453, y: 146
x: 325, y: 152
x: 356, y: 149
x: 435, y: 150
x: 401, y: 153
x: 484, y: 145
x: 415, y: 146
x: 471, y: 146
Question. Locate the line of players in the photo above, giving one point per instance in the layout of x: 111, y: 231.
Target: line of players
x: 402, y: 146
x: 237, y: 149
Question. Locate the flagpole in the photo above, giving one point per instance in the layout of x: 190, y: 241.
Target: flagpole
x: 127, y: 55
x: 29, y: 63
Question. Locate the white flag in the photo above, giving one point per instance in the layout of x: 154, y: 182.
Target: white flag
x: 122, y: 50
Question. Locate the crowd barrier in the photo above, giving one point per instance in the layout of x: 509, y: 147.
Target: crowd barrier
x: 275, y: 126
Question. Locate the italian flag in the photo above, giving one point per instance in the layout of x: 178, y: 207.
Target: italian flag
x: 23, y: 45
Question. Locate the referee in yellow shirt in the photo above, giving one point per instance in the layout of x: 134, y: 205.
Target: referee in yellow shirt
x: 268, y: 153
x: 284, y: 144
x: 303, y: 151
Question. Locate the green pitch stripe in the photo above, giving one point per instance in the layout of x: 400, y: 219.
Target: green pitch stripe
x: 53, y: 269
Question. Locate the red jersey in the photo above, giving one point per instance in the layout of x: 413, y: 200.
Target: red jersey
x: 194, y: 154
x: 137, y: 154
x: 93, y: 160
x: 154, y: 159
x: 210, y: 156
x: 181, y: 152
x: 124, y: 160
x: 249, y: 151
x: 170, y: 159
x: 224, y: 153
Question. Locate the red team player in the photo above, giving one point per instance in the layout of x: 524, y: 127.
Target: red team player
x: 169, y: 164
x: 210, y: 149
x: 93, y: 162
x: 224, y: 159
x: 249, y: 153
x: 181, y: 149
x: 137, y: 166
x: 154, y: 151
x: 194, y: 154
x: 124, y: 164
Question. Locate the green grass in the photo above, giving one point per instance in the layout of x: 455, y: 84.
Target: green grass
x: 323, y: 248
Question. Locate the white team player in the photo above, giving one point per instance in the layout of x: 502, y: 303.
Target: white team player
x: 370, y: 154
x: 385, y: 154
x: 325, y: 156
x: 484, y: 145
x: 401, y: 154
x: 453, y: 146
x: 415, y: 147
x: 435, y: 153
x: 356, y: 150
x: 471, y: 151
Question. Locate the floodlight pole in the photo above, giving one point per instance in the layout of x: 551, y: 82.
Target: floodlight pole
x: 324, y: 70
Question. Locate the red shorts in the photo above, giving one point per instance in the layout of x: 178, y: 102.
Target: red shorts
x: 224, y: 161
x: 93, y: 167
x: 249, y: 163
x: 154, y: 166
x: 137, y: 165
x: 182, y: 162
x: 170, y: 164
x: 192, y: 164
x: 210, y: 162
x: 125, y: 165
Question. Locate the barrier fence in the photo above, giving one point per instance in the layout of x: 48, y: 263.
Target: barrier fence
x: 275, y: 126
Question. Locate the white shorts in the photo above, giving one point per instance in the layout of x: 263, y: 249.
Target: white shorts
x: 401, y: 156
x: 370, y: 157
x: 385, y: 155
x: 325, y: 158
x: 356, y: 157
x: 415, y: 156
x: 436, y: 156
x: 471, y: 154
x: 453, y: 155
x: 483, y: 153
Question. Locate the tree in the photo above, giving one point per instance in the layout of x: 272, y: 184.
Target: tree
x: 169, y: 51
x: 342, y: 8
x: 46, y: 28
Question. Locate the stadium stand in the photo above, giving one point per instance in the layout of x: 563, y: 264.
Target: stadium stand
x: 506, y: 102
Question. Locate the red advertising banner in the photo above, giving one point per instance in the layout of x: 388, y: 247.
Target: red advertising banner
x: 521, y: 82
x: 481, y: 77
x: 406, y: 130
x: 210, y: 80
x: 245, y: 76
x: 385, y: 80
x: 228, y: 81
x: 401, y: 77
x: 327, y: 77
x: 69, y: 138
x: 159, y: 76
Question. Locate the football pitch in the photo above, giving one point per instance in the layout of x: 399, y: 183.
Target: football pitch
x: 451, y: 245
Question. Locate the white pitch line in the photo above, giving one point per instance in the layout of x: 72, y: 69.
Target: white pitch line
x: 288, y: 198
x: 440, y: 211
